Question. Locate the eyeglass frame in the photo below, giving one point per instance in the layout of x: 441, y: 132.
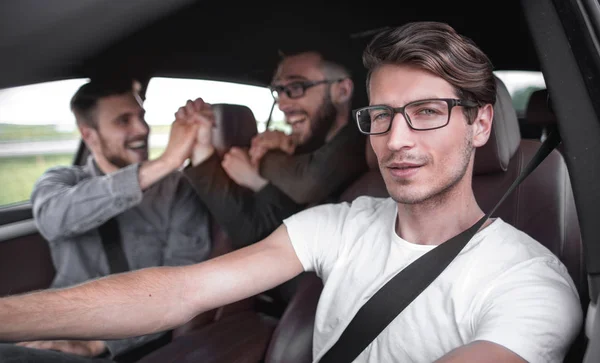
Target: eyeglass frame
x: 451, y: 102
x: 304, y: 84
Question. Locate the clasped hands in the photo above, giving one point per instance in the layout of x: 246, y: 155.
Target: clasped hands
x: 191, y: 133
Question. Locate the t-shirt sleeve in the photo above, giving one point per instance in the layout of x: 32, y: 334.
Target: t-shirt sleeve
x: 316, y: 235
x: 533, y: 309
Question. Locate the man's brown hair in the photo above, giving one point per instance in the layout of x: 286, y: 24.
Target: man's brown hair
x: 436, y: 48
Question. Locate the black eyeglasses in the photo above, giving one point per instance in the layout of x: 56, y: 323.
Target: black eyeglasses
x: 297, y: 89
x: 429, y: 114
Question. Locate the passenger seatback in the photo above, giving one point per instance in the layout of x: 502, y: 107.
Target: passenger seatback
x: 235, y: 125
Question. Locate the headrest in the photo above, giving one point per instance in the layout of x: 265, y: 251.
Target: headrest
x: 235, y: 125
x: 505, y: 136
x: 538, y: 109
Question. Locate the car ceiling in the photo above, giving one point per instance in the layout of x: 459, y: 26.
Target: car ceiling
x: 235, y: 41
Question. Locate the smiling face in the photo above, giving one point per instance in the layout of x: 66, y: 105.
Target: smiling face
x: 311, y: 115
x: 419, y: 166
x: 121, y: 133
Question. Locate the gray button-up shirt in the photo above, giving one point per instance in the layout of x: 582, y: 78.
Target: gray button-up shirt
x: 164, y: 225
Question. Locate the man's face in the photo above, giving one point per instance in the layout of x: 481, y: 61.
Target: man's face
x: 419, y: 166
x: 312, y: 115
x: 122, y: 132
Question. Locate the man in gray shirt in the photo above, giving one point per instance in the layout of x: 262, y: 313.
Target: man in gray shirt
x: 160, y: 218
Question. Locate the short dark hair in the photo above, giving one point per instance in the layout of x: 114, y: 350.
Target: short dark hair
x: 85, y: 100
x: 437, y: 48
x: 331, y: 64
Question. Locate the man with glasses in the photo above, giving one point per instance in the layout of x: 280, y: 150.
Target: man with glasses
x: 504, y: 298
x: 281, y: 174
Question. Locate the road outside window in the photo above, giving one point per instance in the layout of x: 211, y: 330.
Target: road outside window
x: 520, y: 85
x: 165, y: 95
x: 37, y: 131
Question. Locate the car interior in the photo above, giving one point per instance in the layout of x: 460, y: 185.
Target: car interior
x: 558, y: 204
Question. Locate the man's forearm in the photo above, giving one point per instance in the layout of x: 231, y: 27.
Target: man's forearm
x: 152, y: 171
x: 114, y: 307
x: 149, y: 300
x: 309, y: 178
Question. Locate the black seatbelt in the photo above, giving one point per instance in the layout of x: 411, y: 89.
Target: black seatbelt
x: 389, y: 301
x: 111, y: 241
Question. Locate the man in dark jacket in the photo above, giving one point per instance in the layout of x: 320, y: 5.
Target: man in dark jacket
x: 250, y: 192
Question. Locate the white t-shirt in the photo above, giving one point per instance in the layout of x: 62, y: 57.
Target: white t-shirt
x: 503, y: 287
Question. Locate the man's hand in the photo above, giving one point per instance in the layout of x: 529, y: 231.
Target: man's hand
x: 200, y: 113
x: 270, y: 140
x: 182, y: 139
x: 84, y: 348
x: 237, y: 165
x: 189, y: 119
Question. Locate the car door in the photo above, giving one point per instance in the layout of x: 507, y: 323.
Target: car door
x: 33, y: 138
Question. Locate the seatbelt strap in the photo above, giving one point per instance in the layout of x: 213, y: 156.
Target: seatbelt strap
x: 111, y: 241
x: 393, y: 297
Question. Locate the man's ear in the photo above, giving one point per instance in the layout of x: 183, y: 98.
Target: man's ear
x: 90, y: 136
x: 342, y: 91
x: 482, y: 125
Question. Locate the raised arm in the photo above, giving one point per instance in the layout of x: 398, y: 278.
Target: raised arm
x: 68, y: 202
x: 309, y: 178
x: 148, y: 300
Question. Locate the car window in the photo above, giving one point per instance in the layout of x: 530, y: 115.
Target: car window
x: 164, y: 95
x: 37, y: 131
x: 520, y: 85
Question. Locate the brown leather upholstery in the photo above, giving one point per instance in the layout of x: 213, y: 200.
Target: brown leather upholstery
x: 543, y: 205
x: 235, y: 125
x: 25, y: 265
x: 292, y: 340
x: 538, y: 111
x: 539, y: 114
x: 239, y: 338
x: 370, y: 183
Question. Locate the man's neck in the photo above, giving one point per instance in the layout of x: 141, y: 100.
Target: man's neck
x: 105, y: 166
x: 439, y: 219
